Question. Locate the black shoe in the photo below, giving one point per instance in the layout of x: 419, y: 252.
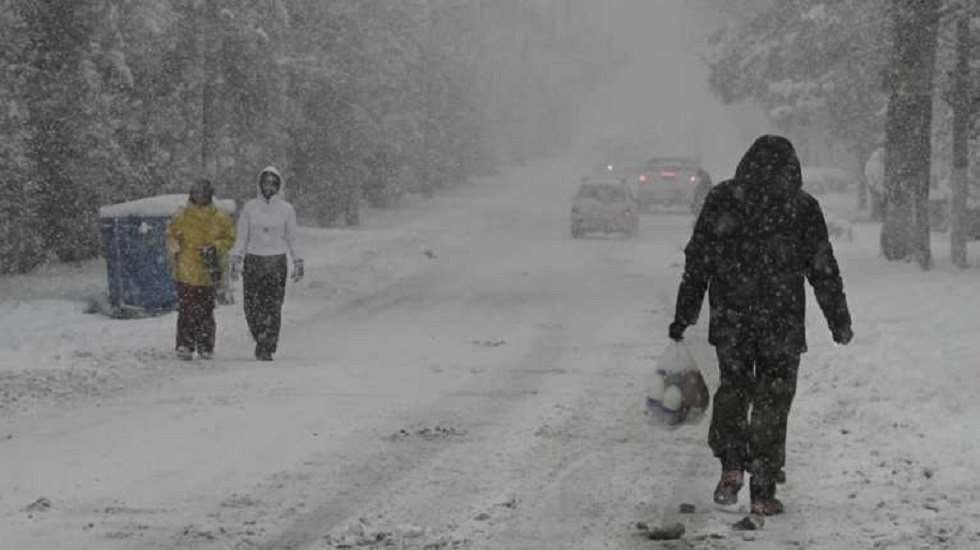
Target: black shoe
x: 262, y: 353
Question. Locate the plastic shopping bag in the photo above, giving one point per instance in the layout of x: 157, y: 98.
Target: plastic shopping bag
x: 677, y: 394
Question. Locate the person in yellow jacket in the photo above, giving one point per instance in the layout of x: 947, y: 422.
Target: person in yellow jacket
x: 199, y: 237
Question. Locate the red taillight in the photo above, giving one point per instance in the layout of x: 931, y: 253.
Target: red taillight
x: 627, y: 213
x: 668, y: 174
x: 693, y: 179
x: 643, y: 178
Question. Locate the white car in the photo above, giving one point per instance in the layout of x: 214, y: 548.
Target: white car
x: 606, y: 205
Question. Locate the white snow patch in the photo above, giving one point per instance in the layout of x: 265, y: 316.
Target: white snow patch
x: 158, y: 206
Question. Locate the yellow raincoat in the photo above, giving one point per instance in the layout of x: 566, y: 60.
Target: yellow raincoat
x: 191, y: 228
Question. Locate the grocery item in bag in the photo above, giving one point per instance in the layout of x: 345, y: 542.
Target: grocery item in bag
x: 677, y: 394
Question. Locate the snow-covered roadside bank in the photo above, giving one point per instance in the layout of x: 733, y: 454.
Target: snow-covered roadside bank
x: 883, y: 447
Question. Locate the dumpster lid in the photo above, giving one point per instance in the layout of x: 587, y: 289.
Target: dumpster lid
x: 155, y: 207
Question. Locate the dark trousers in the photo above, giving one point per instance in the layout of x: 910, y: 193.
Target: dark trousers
x: 264, y: 285
x: 195, y: 318
x: 751, y: 408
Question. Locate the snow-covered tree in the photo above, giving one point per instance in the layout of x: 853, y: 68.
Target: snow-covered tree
x: 809, y: 64
x: 103, y: 101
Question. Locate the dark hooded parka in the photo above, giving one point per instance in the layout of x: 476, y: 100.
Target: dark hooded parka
x: 757, y: 237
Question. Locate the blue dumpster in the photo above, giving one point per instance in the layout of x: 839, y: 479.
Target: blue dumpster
x: 134, y: 243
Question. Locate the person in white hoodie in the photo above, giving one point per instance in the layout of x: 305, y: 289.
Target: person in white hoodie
x: 266, y: 233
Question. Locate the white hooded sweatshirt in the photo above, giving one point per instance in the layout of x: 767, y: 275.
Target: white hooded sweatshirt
x: 266, y: 227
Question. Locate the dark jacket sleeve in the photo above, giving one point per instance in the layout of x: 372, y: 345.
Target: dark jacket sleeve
x: 821, y: 268
x: 698, y: 264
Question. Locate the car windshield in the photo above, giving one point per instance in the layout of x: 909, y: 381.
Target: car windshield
x: 602, y: 192
x: 675, y: 164
x: 618, y: 167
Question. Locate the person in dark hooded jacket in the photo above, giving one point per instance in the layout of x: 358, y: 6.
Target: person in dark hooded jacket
x: 758, y: 236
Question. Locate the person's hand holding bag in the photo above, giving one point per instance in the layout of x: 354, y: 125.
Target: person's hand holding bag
x: 676, y: 331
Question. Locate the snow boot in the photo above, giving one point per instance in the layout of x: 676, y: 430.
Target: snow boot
x: 262, y: 353
x: 768, y: 507
x: 184, y: 353
x: 762, y: 489
x: 726, y: 492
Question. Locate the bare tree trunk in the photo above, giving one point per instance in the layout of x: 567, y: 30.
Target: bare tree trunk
x: 862, y: 151
x: 960, y: 98
x: 350, y: 182
x: 896, y: 205
x: 908, y: 131
x: 862, y: 193
x: 210, y: 119
x: 66, y: 214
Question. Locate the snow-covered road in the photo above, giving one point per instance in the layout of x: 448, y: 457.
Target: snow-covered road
x: 488, y: 393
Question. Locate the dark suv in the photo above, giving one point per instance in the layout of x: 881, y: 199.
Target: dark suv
x: 670, y: 182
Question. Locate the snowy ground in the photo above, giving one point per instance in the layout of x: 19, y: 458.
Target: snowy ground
x: 475, y: 388
x: 463, y: 374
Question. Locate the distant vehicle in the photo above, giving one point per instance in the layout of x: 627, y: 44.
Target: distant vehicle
x: 670, y: 182
x: 604, y: 204
x: 818, y: 180
x: 620, y: 156
x: 618, y: 169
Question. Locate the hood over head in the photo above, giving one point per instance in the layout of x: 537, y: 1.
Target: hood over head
x: 277, y: 188
x: 769, y: 172
x: 201, y: 192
